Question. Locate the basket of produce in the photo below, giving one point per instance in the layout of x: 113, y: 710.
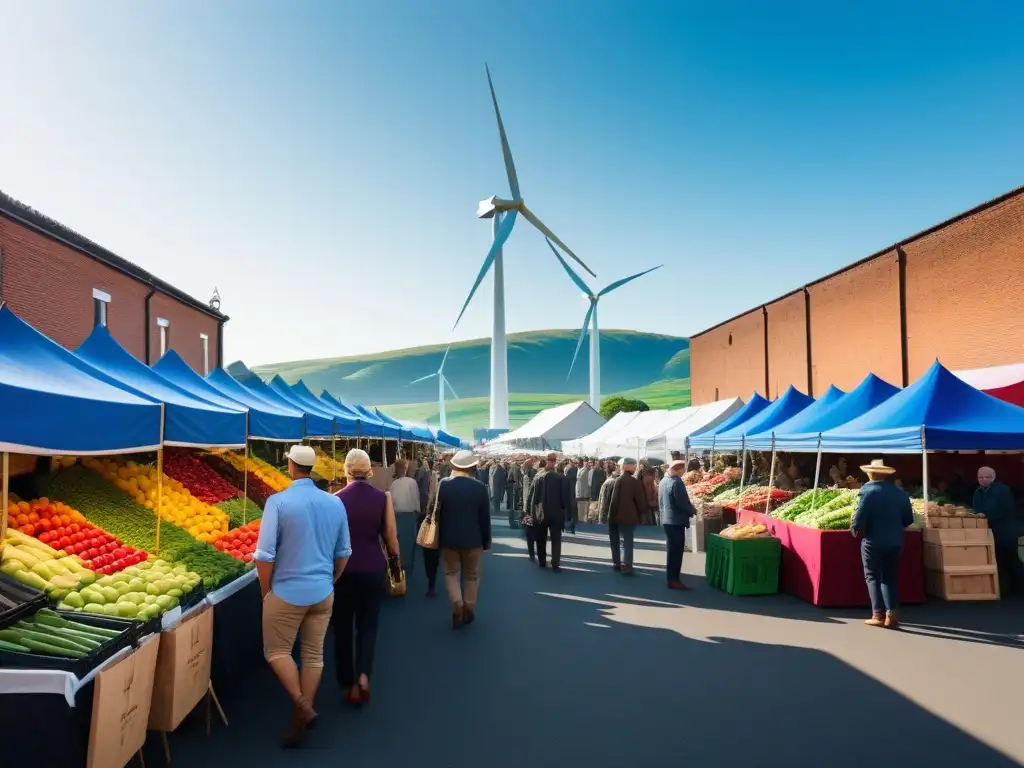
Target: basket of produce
x: 73, y: 643
x: 18, y: 600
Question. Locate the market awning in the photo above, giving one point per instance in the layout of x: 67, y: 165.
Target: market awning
x: 189, y: 421
x: 345, y: 423
x: 706, y: 438
x: 267, y: 420
x: 313, y: 424
x: 373, y: 424
x: 52, y: 402
x: 322, y: 418
x: 762, y: 439
x: 590, y: 444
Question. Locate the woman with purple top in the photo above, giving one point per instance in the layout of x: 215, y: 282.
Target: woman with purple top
x: 359, y: 591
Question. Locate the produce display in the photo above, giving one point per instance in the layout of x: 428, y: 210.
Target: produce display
x: 240, y: 543
x: 256, y: 490
x: 206, y: 523
x: 757, y: 498
x: 141, y: 592
x: 271, y: 477
x: 37, y: 565
x: 197, y: 476
x: 834, y: 514
x: 240, y: 511
x: 326, y: 466
x: 693, y: 476
x: 706, y: 488
x: 952, y: 516
x: 50, y: 634
x: 746, y: 531
x: 802, y: 503
x: 727, y: 493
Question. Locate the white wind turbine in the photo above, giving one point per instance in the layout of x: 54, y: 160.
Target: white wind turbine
x: 442, y: 382
x: 591, y: 320
x: 504, y: 213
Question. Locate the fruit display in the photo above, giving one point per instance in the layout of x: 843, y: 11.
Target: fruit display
x: 728, y: 494
x: 256, y: 490
x: 758, y: 498
x: 746, y: 531
x: 141, y: 592
x: 271, y: 477
x: 197, y: 476
x: 326, y: 466
x: 693, y: 476
x: 37, y: 565
x: 240, y: 543
x: 240, y: 511
x: 706, y: 487
x: 50, y: 634
x: 205, y: 522
x: 216, y: 568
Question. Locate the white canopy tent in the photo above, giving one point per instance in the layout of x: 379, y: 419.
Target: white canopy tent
x: 632, y: 439
x: 702, y: 417
x: 589, y: 445
x: 550, y: 427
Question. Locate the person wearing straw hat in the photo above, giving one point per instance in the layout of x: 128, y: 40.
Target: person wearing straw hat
x: 883, y: 511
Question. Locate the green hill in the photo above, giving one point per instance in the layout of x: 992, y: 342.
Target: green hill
x: 653, y: 367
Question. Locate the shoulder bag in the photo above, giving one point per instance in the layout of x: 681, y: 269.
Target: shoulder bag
x: 395, y: 586
x: 429, y: 534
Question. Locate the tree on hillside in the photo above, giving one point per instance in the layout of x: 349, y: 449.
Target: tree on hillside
x: 616, y: 404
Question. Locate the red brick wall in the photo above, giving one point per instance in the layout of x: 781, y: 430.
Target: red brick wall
x: 787, y: 344
x: 855, y: 325
x: 728, y: 361
x: 49, y: 285
x: 964, y: 288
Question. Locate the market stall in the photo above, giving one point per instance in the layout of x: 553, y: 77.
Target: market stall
x: 316, y: 423
x: 632, y: 439
x: 589, y: 445
x: 701, y: 418
x: 549, y: 428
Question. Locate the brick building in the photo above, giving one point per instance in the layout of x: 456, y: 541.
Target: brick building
x: 63, y: 284
x: 951, y: 292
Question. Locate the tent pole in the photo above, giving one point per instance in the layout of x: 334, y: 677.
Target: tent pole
x: 817, y: 474
x: 711, y: 461
x: 771, y: 478
x: 924, y: 469
x: 245, y: 483
x: 743, y: 471
x: 3, y: 498
x: 334, y: 459
x: 160, y: 478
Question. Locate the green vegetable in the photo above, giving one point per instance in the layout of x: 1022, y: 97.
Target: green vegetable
x: 233, y: 507
x: 26, y: 631
x: 52, y: 650
x: 15, y: 647
x: 54, y: 619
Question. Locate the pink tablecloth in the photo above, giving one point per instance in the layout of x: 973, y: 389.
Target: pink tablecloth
x: 825, y: 569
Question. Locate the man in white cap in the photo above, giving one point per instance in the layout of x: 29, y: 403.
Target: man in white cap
x: 676, y: 512
x: 302, y: 550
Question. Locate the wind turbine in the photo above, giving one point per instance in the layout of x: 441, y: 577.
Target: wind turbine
x: 504, y: 213
x: 442, y: 382
x: 591, y: 317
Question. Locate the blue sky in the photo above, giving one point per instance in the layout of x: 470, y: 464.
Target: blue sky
x: 321, y: 163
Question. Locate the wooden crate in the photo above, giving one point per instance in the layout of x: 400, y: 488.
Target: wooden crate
x: 963, y: 583
x: 942, y: 535
x: 940, y: 556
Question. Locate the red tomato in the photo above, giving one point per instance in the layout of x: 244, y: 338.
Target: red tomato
x: 106, y: 570
x: 235, y: 553
x: 61, y: 531
x: 247, y: 557
x: 45, y: 537
x: 75, y: 527
x: 92, y: 552
x: 65, y: 542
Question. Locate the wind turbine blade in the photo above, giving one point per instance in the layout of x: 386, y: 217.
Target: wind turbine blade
x: 504, y: 230
x: 542, y: 227
x: 510, y: 166
x: 421, y: 378
x: 623, y: 281
x: 583, y: 335
x: 575, y: 278
x: 450, y: 388
x: 446, y: 350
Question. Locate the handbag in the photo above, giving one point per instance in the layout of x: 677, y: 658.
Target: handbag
x: 428, y: 535
x: 396, y: 585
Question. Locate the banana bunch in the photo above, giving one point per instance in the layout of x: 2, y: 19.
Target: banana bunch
x: 746, y: 531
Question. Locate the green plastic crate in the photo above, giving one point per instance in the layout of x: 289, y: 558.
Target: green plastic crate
x: 743, y: 566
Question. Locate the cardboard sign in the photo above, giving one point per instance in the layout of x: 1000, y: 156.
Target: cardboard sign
x: 120, y: 707
x: 182, y: 670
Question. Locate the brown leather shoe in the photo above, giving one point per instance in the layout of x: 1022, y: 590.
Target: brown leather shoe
x: 891, y: 622
x: 676, y: 584
x: 876, y: 620
x: 458, y: 616
x: 627, y: 570
x: 303, y: 717
x: 468, y: 614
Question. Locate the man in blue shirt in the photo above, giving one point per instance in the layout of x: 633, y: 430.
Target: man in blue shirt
x: 676, y: 510
x: 994, y: 500
x: 302, y: 550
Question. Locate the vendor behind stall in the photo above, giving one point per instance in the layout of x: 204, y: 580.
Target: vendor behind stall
x: 994, y: 500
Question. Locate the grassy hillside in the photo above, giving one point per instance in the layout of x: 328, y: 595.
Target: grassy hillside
x: 537, y: 363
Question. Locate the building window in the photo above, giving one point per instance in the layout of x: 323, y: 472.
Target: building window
x: 100, y: 307
x: 204, y: 340
x: 165, y: 335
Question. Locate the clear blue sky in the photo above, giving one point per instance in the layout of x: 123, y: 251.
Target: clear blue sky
x: 321, y: 163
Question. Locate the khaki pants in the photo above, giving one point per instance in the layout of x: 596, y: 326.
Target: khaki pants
x: 466, y: 561
x: 282, y: 622
x: 582, y: 508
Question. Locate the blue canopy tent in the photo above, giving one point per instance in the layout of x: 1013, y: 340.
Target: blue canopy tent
x: 317, y: 424
x: 706, y: 438
x: 279, y: 422
x: 803, y: 431
x: 346, y: 425
x: 409, y: 431
x: 448, y: 439
x: 266, y: 422
x: 189, y: 421
x: 371, y: 422
x: 762, y: 439
x: 52, y: 402
x: 788, y: 405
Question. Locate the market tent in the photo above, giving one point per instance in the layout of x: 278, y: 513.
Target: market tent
x: 409, y: 431
x: 632, y: 439
x: 314, y: 424
x: 939, y: 411
x: 322, y: 418
x: 1003, y: 381
x: 189, y: 420
x: 789, y: 404
x: 448, y: 438
x: 761, y: 440
x: 371, y: 423
x: 267, y: 420
x: 265, y: 423
x: 801, y: 434
x: 588, y: 445
x: 753, y: 406
x: 345, y: 424
x: 702, y: 418
x: 52, y: 402
x: 551, y: 426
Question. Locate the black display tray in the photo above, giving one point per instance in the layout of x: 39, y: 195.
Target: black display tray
x: 28, y: 598
x: 130, y: 631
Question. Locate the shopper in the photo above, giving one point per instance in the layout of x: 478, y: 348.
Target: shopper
x: 883, y: 511
x: 530, y: 523
x: 582, y: 494
x: 497, y: 479
x: 464, y: 522
x: 550, y: 494
x: 408, y: 503
x: 598, y: 476
x: 359, y: 591
x: 651, y: 491
x: 422, y: 478
x: 628, y: 504
x: 676, y: 512
x: 571, y: 473
x: 302, y: 550
x: 604, y: 497
x: 994, y: 500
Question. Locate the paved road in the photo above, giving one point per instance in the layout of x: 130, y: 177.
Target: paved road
x: 591, y: 668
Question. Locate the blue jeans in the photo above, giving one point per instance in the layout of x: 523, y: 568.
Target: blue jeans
x: 675, y: 536
x: 625, y: 533
x: 882, y: 574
